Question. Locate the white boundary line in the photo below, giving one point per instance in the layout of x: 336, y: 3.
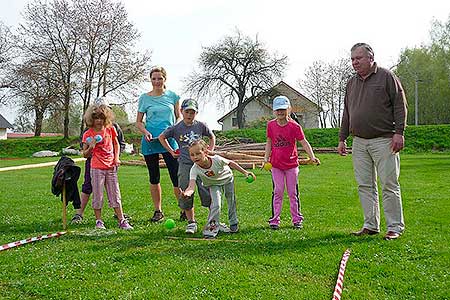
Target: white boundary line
x: 31, y: 166
x: 340, y: 280
x: 32, y: 239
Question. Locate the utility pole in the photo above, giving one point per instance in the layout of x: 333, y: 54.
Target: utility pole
x: 416, y: 102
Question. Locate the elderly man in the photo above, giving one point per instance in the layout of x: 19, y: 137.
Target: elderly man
x: 375, y: 115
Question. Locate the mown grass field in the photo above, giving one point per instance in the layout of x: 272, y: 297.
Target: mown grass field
x: 256, y: 263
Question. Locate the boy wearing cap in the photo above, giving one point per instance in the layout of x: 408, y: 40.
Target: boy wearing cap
x: 185, y: 132
x: 281, y: 151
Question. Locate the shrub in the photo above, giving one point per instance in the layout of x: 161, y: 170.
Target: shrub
x: 417, y: 139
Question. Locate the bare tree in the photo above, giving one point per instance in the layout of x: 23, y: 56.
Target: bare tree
x: 50, y: 33
x: 22, y: 124
x: 314, y: 86
x: 34, y: 84
x: 325, y: 84
x: 339, y: 72
x: 236, y: 68
x: 88, y: 46
x: 6, y: 58
x: 108, y: 62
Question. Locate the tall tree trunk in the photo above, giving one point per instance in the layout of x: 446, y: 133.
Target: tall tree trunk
x: 38, y: 122
x: 240, y: 116
x: 66, y: 116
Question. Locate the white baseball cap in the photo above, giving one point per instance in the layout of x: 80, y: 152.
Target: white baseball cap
x: 281, y: 102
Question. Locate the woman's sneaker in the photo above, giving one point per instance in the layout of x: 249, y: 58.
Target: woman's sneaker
x: 125, y: 225
x: 157, y: 216
x: 99, y: 224
x: 191, y: 227
x: 77, y: 219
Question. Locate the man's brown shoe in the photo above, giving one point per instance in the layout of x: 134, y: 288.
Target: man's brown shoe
x: 391, y: 235
x: 365, y: 231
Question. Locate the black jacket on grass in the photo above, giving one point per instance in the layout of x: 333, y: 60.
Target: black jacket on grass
x: 66, y: 172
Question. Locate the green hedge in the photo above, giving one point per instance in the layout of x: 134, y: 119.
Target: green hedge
x: 418, y: 139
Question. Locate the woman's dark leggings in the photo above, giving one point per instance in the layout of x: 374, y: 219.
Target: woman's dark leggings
x: 152, y: 161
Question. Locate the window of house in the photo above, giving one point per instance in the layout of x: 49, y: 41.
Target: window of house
x: 234, y: 122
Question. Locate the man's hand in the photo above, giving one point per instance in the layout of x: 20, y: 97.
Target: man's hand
x: 398, y: 142
x: 342, y: 148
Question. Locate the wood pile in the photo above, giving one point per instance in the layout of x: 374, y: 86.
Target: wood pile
x: 249, y: 156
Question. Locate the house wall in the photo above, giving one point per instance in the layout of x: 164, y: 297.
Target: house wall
x: 253, y: 111
x: 226, y: 124
x: 305, y: 109
x: 2, y: 133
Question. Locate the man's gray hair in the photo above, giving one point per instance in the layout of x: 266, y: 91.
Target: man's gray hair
x: 367, y: 47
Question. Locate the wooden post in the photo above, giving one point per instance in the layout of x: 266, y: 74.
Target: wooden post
x: 64, y: 202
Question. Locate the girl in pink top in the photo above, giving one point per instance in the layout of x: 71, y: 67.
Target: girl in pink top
x: 101, y: 143
x: 281, y: 151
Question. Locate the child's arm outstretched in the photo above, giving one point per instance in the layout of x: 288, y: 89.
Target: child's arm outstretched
x: 307, y: 147
x: 236, y: 166
x: 189, y: 190
x: 212, y: 143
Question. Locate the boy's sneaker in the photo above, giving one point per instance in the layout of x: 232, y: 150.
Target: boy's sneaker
x: 157, y: 216
x: 274, y: 226
x: 183, y: 216
x: 99, y: 224
x: 191, y: 227
x: 125, y: 225
x: 77, y: 219
x: 211, y: 230
x: 298, y: 225
x: 234, y: 228
x: 224, y: 228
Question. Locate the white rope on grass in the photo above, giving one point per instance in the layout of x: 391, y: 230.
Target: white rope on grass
x: 40, y: 165
x: 340, y: 280
x: 29, y: 240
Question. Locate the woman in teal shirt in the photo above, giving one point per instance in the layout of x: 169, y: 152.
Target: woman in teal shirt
x: 161, y: 108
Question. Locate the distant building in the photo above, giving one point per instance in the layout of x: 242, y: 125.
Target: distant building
x: 4, y: 125
x: 261, y: 106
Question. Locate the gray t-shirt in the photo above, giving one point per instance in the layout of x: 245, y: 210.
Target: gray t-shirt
x: 184, y: 135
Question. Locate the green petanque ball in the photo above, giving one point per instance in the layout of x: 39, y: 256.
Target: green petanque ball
x: 169, y: 224
x: 250, y: 179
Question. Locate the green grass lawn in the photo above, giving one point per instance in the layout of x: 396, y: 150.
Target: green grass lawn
x: 256, y: 263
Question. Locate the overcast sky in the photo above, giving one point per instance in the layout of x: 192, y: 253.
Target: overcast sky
x: 305, y: 31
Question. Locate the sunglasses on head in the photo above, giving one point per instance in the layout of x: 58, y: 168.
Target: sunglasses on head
x: 98, y: 116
